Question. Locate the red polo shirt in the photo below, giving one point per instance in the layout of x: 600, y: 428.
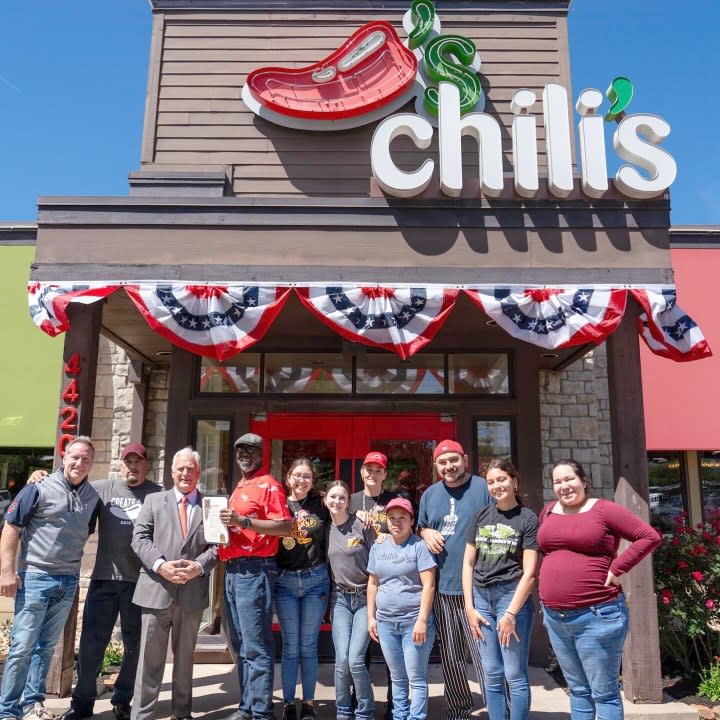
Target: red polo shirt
x: 261, y: 497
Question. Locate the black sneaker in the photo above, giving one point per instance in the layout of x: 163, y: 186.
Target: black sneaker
x: 307, y: 712
x: 289, y: 712
x: 121, y: 710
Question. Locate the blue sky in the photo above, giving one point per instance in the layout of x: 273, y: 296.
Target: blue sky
x: 73, y: 79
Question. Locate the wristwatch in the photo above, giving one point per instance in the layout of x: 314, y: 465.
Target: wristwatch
x: 245, y: 523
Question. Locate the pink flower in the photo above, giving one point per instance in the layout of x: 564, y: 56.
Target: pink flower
x: 666, y: 597
x: 676, y: 541
x: 697, y: 576
x: 709, y: 604
x: 682, y: 565
x: 699, y: 550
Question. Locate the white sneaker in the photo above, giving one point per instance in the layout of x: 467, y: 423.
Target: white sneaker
x: 38, y: 712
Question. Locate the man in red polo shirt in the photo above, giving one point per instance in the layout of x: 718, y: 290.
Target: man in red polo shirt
x: 257, y: 516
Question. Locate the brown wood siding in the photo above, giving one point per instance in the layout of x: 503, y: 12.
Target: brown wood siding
x: 201, y: 121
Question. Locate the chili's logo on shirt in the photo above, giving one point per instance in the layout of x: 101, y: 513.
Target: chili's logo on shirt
x: 299, y: 535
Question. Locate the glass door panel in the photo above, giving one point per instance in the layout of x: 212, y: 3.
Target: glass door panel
x: 410, y: 465
x: 212, y: 441
x: 322, y: 454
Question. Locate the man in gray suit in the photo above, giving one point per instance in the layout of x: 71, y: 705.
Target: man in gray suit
x: 172, y: 589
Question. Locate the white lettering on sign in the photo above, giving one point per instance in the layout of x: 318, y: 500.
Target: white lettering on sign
x: 636, y: 140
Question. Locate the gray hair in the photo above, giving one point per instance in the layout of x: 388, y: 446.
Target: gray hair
x: 194, y: 454
x: 82, y: 440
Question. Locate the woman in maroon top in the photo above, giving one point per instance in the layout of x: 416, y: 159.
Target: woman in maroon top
x: 584, y: 608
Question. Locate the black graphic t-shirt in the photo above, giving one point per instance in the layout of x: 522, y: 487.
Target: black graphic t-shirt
x: 375, y: 506
x: 500, y: 538
x: 305, y: 547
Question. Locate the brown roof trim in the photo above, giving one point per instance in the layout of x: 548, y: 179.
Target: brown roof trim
x: 695, y: 236
x: 352, y: 212
x: 18, y: 233
x: 504, y: 6
x: 302, y: 274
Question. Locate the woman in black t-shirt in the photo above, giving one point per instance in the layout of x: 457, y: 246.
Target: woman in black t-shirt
x: 497, y: 577
x: 302, y: 588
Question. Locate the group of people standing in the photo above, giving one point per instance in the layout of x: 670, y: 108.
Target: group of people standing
x: 462, y: 567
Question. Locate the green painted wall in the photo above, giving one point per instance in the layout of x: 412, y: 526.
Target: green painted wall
x: 29, y: 360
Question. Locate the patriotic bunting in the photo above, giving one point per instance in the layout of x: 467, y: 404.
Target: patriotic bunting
x: 398, y: 319
x: 221, y: 320
x: 553, y: 318
x: 666, y: 329
x: 48, y: 302
x: 218, y: 321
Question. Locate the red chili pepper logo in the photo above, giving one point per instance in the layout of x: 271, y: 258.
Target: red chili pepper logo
x: 368, y: 71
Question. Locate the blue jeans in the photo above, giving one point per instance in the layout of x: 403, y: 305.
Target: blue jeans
x: 105, y: 600
x: 350, y: 637
x: 588, y: 644
x: 41, y: 609
x: 408, y: 665
x: 249, y: 587
x: 501, y: 664
x: 301, y: 598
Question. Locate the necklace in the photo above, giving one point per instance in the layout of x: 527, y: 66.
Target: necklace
x: 374, y: 499
x: 297, y: 505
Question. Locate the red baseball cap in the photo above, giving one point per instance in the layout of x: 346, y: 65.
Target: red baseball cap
x: 137, y: 448
x: 448, y: 446
x: 402, y: 503
x: 376, y: 457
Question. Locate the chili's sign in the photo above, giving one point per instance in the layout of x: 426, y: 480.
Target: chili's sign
x: 374, y: 73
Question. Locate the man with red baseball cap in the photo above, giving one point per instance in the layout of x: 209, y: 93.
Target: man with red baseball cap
x: 447, y: 514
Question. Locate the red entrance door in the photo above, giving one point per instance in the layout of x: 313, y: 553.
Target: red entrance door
x: 337, y: 444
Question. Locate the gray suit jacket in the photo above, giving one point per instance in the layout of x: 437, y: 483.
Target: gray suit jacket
x: 157, y: 534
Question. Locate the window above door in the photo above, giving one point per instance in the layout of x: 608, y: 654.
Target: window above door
x: 474, y: 374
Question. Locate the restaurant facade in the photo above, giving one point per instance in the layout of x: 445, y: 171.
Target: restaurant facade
x: 360, y: 226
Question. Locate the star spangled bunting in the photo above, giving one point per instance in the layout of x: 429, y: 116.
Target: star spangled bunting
x: 399, y: 319
x: 48, y: 302
x: 217, y: 321
x: 666, y: 329
x: 553, y: 318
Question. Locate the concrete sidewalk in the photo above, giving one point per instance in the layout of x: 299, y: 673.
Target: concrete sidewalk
x: 215, y: 690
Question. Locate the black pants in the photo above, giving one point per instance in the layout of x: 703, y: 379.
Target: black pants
x: 105, y: 600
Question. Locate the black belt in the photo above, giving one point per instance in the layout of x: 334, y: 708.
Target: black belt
x: 350, y: 591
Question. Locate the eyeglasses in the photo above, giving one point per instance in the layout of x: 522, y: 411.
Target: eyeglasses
x: 297, y: 476
x: 247, y: 449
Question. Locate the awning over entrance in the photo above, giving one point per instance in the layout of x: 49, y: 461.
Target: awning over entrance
x: 221, y: 320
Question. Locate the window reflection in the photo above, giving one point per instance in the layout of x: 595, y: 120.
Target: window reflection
x: 308, y: 373
x: 710, y: 483
x: 479, y: 374
x: 493, y: 438
x: 665, y: 476
x: 421, y: 375
x: 240, y: 374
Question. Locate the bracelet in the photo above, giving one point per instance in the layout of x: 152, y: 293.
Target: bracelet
x: 511, y: 614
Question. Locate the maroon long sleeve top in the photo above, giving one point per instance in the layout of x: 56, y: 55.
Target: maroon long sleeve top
x: 579, y: 549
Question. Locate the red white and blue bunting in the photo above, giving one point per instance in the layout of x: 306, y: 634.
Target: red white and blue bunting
x: 214, y: 320
x: 221, y: 320
x: 553, y: 318
x: 666, y: 328
x: 401, y: 319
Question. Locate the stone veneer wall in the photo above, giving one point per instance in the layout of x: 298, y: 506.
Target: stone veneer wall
x: 575, y: 421
x: 112, y: 416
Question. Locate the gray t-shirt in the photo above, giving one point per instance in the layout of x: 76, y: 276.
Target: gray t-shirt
x: 348, y: 551
x: 120, y: 507
x: 398, y: 569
